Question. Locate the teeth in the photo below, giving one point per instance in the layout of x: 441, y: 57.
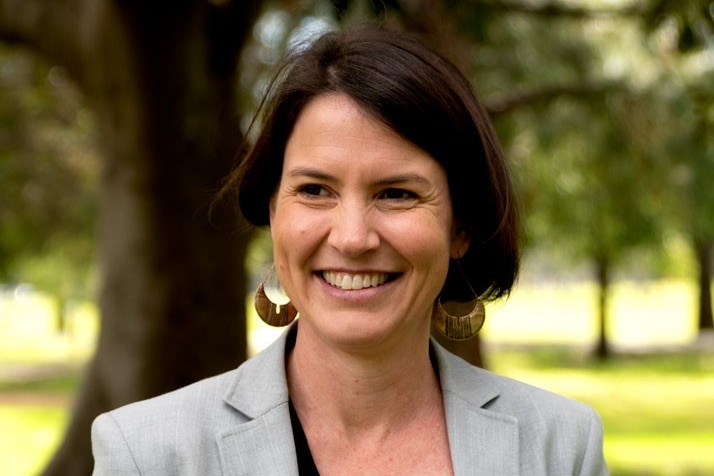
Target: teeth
x: 354, y: 281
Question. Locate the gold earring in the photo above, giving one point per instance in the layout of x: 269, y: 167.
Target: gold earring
x: 462, y: 326
x: 459, y: 327
x: 272, y: 313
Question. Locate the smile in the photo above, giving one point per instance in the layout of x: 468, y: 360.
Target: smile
x: 354, y: 281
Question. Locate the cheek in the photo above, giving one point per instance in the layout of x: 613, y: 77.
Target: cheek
x: 295, y: 235
x: 425, y: 239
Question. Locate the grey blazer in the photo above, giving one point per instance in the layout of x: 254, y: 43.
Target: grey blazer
x: 238, y: 423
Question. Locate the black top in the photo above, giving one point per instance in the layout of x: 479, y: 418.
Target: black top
x: 306, y: 465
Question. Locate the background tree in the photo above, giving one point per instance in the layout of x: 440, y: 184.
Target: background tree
x: 560, y: 112
x: 680, y: 121
x: 160, y: 78
x: 683, y: 123
x: 552, y: 59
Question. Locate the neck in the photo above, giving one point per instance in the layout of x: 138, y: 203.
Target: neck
x: 361, y: 391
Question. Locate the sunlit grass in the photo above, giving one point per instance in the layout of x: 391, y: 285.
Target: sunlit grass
x: 29, y: 330
x: 28, y: 436
x: 659, y: 313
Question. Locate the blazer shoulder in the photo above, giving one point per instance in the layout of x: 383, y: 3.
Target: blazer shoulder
x: 556, y: 434
x: 173, y: 433
x: 178, y: 432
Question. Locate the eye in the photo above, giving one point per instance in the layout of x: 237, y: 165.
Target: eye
x: 397, y: 194
x: 314, y: 190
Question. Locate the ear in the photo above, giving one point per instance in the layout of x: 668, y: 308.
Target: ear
x: 460, y: 243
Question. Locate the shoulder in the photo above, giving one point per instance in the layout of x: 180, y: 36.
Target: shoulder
x: 199, y: 403
x: 557, y: 435
x: 172, y: 433
x: 177, y: 432
x: 554, y: 432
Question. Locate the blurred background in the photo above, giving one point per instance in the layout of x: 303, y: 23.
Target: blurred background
x: 121, y: 277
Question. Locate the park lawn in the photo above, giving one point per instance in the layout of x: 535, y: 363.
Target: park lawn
x: 33, y: 415
x: 28, y: 436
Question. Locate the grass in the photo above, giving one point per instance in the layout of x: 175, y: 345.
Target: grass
x: 28, y: 435
x: 656, y: 397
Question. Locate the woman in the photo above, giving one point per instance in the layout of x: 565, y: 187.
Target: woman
x: 387, y: 197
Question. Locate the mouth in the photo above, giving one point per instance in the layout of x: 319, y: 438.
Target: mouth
x: 355, y: 281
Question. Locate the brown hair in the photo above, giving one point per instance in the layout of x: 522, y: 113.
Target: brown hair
x: 426, y: 100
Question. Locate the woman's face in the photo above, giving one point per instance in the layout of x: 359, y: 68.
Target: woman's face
x: 362, y: 227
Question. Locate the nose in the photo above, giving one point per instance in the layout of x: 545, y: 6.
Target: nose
x: 353, y: 232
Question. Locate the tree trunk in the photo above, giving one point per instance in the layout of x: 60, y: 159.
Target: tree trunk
x: 602, y: 349
x: 60, y: 307
x: 161, y: 78
x: 703, y: 250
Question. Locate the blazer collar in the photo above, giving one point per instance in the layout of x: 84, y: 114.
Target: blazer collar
x: 482, y: 441
x: 264, y: 444
x: 260, y: 384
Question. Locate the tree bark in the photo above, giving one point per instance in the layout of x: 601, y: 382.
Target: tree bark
x: 602, y: 349
x: 703, y: 250
x: 160, y: 77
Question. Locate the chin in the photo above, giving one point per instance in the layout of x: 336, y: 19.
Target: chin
x: 355, y: 333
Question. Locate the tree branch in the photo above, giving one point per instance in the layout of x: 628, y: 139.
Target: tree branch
x: 561, y: 9
x: 508, y: 103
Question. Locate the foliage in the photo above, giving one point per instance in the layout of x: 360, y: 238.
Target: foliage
x: 581, y: 134
x: 685, y: 119
x: 48, y: 172
x: 691, y: 22
x: 562, y: 103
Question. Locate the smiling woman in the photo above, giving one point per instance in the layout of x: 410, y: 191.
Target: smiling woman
x: 350, y: 194
x: 387, y: 195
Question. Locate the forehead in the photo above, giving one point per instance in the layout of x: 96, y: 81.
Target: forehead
x: 336, y: 126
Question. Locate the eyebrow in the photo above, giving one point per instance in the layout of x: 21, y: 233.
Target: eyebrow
x: 390, y: 180
x: 402, y: 178
x: 312, y: 173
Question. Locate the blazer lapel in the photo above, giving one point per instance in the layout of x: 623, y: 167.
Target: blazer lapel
x: 482, y: 442
x: 263, y: 446
x: 263, y: 443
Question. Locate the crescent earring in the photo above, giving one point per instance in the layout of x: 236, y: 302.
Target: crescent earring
x: 463, y: 326
x: 272, y: 304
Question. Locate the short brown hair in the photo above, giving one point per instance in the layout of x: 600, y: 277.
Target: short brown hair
x: 425, y: 99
